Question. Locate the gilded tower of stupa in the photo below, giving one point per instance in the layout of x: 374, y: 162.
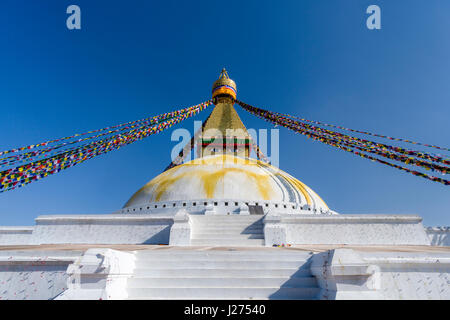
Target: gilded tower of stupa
x: 224, y: 132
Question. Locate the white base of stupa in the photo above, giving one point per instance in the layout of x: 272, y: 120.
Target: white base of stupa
x: 281, y: 256
x: 185, y: 229
x: 167, y: 272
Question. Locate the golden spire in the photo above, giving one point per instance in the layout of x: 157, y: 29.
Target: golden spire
x: 224, y: 132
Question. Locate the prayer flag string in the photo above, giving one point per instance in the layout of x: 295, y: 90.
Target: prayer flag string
x: 131, y: 124
x: 348, y: 143
x: 187, y: 149
x: 367, y: 133
x: 362, y: 142
x: 371, y: 148
x: 21, y: 175
x: 259, y: 154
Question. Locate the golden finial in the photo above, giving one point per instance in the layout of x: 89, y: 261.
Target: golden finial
x: 224, y: 86
x: 224, y: 74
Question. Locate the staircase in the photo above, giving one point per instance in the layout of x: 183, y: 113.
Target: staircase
x: 227, y: 230
x: 222, y: 273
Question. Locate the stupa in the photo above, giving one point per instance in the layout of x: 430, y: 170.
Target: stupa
x: 225, y: 226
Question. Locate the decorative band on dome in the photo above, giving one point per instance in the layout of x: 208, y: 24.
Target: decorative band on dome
x: 226, y: 86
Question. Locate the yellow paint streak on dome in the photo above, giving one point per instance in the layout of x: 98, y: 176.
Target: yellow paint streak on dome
x: 304, y: 185
x: 210, y: 180
x: 299, y: 187
x: 151, y: 183
x: 215, y: 170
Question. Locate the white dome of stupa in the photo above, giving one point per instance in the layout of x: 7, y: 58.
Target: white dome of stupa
x: 227, y: 177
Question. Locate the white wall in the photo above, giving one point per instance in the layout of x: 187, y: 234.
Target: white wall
x: 344, y: 229
x: 412, y: 275
x: 30, y: 275
x: 366, y: 274
x: 15, y: 235
x: 439, y: 236
x: 102, y: 229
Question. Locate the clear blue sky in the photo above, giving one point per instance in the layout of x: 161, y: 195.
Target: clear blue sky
x: 315, y: 59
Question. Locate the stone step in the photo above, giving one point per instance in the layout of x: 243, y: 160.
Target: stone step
x: 190, y: 254
x: 222, y: 273
x: 227, y: 236
x: 223, y: 293
x: 248, y: 219
x: 228, y: 242
x: 224, y: 217
x: 222, y: 282
x: 226, y: 224
x: 177, y: 258
x: 226, y: 231
x: 227, y: 220
x: 241, y: 217
x: 215, y: 263
x: 227, y: 228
